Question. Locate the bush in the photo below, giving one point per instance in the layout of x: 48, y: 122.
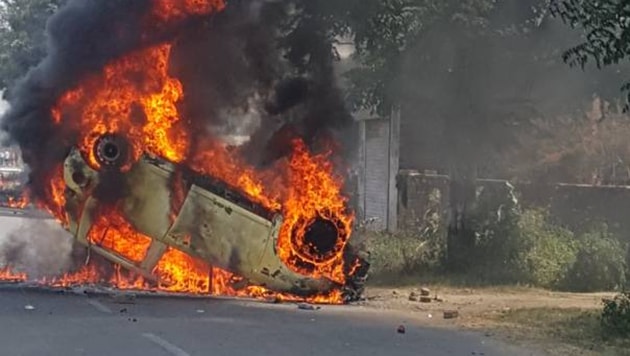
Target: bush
x: 600, y: 264
x: 615, y: 318
x: 393, y: 255
x: 548, y: 251
x: 518, y: 246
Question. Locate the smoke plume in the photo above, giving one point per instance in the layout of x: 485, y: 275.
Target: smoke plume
x: 244, y: 70
x: 40, y: 248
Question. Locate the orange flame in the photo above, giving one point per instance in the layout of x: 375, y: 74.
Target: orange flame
x: 135, y: 96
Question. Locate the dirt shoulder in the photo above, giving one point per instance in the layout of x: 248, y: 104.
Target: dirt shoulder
x: 556, y: 323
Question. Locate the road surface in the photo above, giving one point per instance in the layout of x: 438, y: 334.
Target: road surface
x: 45, y: 323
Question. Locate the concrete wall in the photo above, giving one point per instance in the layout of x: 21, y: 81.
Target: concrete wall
x: 577, y: 207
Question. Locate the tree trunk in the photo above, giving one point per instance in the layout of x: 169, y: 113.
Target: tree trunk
x: 462, y: 130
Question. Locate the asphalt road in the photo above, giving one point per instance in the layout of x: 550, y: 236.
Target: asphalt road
x: 69, y: 324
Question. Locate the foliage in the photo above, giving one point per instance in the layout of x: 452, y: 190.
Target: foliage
x: 396, y: 255
x: 550, y: 250
x: 408, y: 253
x: 519, y: 246
x: 615, y: 317
x: 22, y: 39
x: 600, y: 263
x: 605, y: 29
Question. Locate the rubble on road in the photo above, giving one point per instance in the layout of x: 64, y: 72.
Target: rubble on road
x: 451, y: 314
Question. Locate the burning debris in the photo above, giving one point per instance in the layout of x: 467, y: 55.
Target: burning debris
x: 123, y: 150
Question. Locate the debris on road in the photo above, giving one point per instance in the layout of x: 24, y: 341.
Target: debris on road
x: 451, y: 314
x: 306, y: 306
x: 29, y: 307
x: 425, y: 292
x: 425, y: 299
x: 200, y: 311
x: 413, y: 297
x: 401, y: 329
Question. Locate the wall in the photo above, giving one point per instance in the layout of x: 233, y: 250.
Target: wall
x: 577, y: 207
x: 377, y: 172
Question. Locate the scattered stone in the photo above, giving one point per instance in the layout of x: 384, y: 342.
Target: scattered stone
x: 395, y: 292
x: 29, y: 307
x: 430, y: 316
x: 451, y: 314
x: 425, y: 291
x: 200, y: 311
x: 425, y: 299
x: 438, y: 299
x: 123, y: 310
x: 306, y: 306
x: 413, y: 297
x: 401, y: 329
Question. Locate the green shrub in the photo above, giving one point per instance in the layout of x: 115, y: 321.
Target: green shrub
x: 615, y: 318
x: 548, y: 251
x: 401, y: 254
x: 518, y: 246
x: 600, y: 264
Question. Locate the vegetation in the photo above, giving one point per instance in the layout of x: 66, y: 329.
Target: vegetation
x: 605, y: 30
x: 600, y: 264
x: 615, y: 318
x: 574, y: 327
x: 22, y: 39
x: 512, y: 246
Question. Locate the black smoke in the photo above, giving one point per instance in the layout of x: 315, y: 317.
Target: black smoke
x: 252, y: 58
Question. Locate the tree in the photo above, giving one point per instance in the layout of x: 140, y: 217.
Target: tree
x: 471, y: 77
x: 22, y: 38
x: 605, y: 29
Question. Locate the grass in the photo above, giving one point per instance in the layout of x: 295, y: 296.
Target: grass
x: 574, y: 327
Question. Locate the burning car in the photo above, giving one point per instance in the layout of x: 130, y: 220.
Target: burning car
x: 113, y: 126
x: 211, y: 221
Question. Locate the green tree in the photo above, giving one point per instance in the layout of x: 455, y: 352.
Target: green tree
x: 22, y: 38
x: 605, y: 30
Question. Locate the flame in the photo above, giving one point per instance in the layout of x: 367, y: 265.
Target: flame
x: 135, y: 96
x: 314, y: 193
x: 112, y: 232
x: 18, y: 203
x: 169, y: 10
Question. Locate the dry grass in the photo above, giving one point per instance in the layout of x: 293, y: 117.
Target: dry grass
x: 561, y: 330
x: 556, y: 322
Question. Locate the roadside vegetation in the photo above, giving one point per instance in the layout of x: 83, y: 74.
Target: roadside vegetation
x: 512, y: 246
x: 517, y: 247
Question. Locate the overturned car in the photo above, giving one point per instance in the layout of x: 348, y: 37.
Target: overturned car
x: 204, y: 218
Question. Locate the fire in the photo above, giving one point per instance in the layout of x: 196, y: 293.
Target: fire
x: 18, y: 203
x: 315, y: 193
x: 135, y: 96
x: 169, y: 10
x: 114, y: 233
